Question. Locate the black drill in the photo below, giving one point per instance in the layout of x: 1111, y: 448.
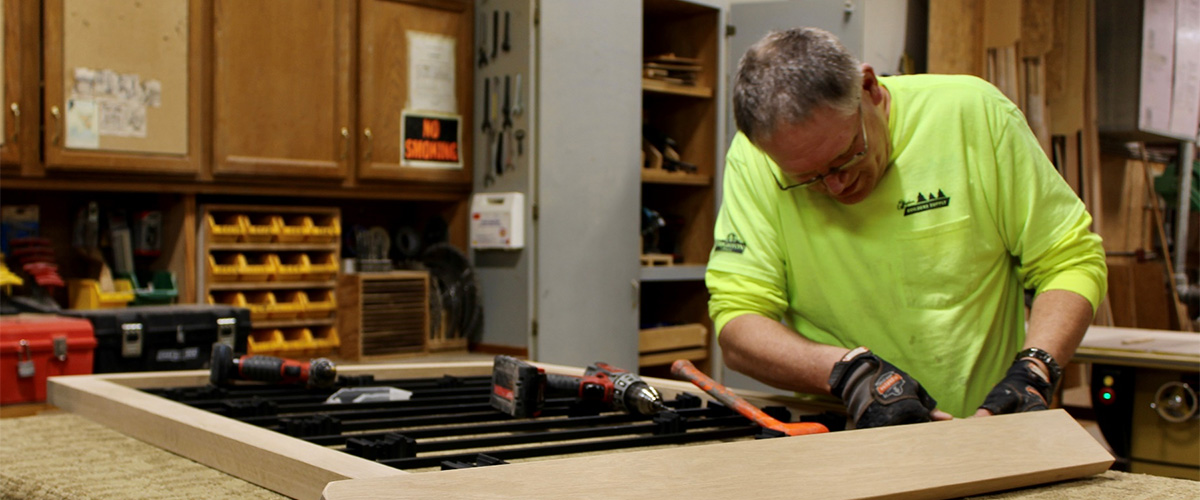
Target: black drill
x: 318, y: 372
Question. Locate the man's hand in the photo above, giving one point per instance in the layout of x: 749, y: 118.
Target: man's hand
x: 1026, y: 387
x: 878, y: 394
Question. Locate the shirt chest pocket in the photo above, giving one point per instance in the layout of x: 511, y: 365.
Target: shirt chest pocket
x: 937, y: 264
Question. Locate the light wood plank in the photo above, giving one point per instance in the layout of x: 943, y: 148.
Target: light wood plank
x: 972, y: 456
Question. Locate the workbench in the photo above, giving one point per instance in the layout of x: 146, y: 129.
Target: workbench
x: 58, y: 455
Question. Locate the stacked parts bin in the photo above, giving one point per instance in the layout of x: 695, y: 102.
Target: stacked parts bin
x: 36, y: 346
x: 154, y: 338
x: 281, y: 263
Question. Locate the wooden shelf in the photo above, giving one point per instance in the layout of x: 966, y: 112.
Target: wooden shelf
x: 270, y: 285
x: 289, y: 323
x: 658, y: 176
x: 651, y: 85
x: 274, y: 247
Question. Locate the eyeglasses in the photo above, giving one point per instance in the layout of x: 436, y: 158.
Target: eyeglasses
x: 833, y: 171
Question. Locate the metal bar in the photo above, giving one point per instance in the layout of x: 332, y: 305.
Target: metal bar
x: 566, y: 448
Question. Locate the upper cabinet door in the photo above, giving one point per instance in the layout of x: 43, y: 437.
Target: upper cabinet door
x: 415, y: 60
x: 281, y: 88
x: 123, y: 85
x: 19, y: 84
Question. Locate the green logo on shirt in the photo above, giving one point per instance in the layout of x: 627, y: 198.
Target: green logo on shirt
x: 731, y: 243
x: 922, y: 203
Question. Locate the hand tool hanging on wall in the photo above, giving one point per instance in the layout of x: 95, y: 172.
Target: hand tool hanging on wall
x: 506, y: 45
x: 483, y: 59
x: 488, y: 177
x: 487, y: 105
x: 518, y: 108
x: 495, y: 34
x: 318, y: 372
x: 506, y: 129
x: 685, y: 369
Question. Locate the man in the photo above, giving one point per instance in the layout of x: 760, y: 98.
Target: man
x: 878, y: 233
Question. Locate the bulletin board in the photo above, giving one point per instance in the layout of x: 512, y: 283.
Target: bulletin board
x: 125, y: 76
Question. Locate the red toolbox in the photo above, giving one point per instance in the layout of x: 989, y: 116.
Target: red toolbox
x: 36, y: 346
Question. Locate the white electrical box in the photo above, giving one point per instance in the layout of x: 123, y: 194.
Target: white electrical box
x: 498, y: 221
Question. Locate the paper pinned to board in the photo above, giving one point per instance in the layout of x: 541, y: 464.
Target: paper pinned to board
x: 108, y: 103
x: 83, y: 123
x: 431, y: 79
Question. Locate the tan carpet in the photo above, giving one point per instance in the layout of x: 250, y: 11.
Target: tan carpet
x: 1112, y: 485
x: 65, y: 456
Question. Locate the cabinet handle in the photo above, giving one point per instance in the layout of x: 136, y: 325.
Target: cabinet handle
x: 16, y: 111
x: 57, y: 131
x: 345, y: 142
x: 370, y: 144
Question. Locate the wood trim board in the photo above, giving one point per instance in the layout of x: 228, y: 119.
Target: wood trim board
x: 923, y: 461
x: 973, y: 456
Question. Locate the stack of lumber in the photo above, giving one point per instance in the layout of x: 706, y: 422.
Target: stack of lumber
x: 669, y: 68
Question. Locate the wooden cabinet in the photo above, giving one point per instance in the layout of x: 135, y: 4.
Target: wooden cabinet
x: 282, y: 89
x: 385, y: 76
x: 123, y: 84
x: 18, y: 128
x: 292, y: 98
x: 681, y: 106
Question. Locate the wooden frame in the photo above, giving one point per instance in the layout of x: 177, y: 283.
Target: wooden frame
x: 974, y: 455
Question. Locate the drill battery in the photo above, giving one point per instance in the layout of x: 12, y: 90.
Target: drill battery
x: 518, y: 388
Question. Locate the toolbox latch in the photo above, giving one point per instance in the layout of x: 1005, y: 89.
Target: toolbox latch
x: 131, y: 340
x: 60, y: 348
x: 227, y: 331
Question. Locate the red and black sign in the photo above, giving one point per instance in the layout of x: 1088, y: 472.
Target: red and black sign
x: 430, y: 141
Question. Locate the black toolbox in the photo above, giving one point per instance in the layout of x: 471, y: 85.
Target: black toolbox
x: 156, y: 338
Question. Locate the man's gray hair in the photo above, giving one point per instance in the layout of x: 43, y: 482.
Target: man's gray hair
x: 785, y: 76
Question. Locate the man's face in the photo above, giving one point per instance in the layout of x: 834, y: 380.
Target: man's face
x: 842, y: 155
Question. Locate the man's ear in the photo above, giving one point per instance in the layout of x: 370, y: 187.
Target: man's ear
x: 870, y: 84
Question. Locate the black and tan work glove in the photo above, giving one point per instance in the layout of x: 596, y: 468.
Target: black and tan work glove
x: 1025, y: 387
x: 876, y: 393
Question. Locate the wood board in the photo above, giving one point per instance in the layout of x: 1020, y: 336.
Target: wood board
x: 934, y: 460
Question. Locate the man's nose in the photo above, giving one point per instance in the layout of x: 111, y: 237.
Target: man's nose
x: 835, y: 182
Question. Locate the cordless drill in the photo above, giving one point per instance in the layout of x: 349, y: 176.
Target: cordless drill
x: 518, y: 388
x: 318, y: 372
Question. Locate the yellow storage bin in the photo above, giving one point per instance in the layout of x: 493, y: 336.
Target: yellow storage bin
x: 259, y: 302
x: 86, y: 294
x: 225, y: 228
x: 324, y: 267
x: 289, y: 304
x: 325, y: 340
x: 291, y: 266
x: 261, y: 228
x: 223, y: 266
x: 297, y: 342
x: 265, y: 341
x: 325, y: 229
x: 256, y: 267
x: 320, y: 304
x: 295, y: 228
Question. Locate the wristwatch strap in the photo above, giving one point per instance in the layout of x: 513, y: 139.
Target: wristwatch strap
x: 1045, y: 357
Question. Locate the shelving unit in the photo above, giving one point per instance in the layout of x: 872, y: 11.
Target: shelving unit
x: 286, y: 276
x: 673, y: 296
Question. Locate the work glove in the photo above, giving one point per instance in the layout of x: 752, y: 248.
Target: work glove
x: 876, y: 393
x: 1025, y: 387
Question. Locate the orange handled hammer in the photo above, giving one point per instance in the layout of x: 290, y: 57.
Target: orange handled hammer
x: 685, y: 369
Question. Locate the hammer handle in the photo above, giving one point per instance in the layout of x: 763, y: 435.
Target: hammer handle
x: 685, y: 369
